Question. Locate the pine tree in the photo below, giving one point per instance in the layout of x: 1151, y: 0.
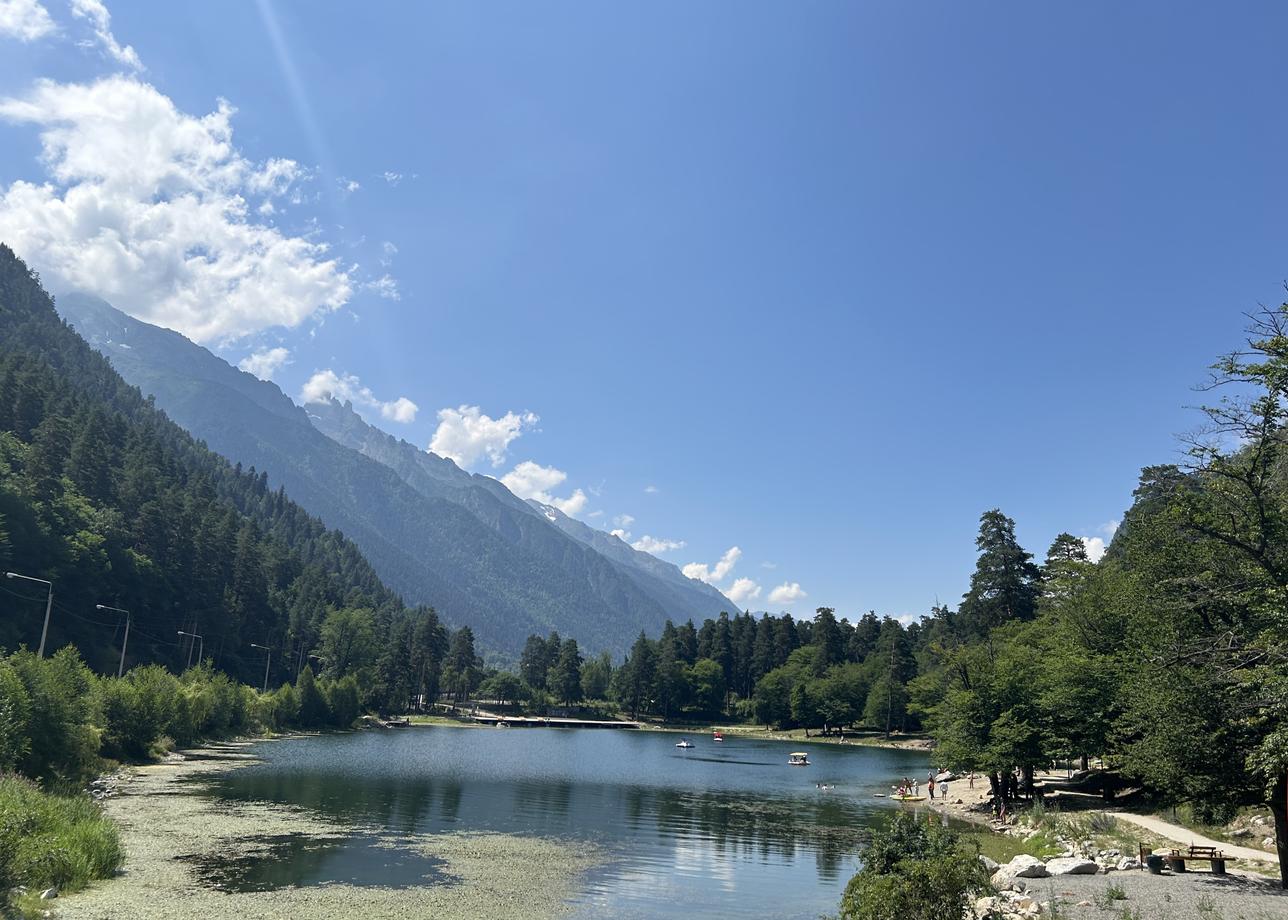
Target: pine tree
x: 1004, y: 586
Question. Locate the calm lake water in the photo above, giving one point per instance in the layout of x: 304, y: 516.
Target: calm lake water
x: 720, y: 830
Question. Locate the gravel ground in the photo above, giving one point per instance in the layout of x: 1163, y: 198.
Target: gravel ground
x: 164, y: 825
x: 1165, y: 897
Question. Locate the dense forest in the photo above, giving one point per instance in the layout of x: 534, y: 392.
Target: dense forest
x: 118, y: 507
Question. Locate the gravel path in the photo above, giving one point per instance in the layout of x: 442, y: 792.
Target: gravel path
x: 1189, y: 896
x: 1188, y: 837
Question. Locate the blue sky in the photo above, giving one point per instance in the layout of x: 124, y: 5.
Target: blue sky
x: 819, y: 281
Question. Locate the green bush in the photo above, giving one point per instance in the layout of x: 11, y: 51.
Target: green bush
x: 15, y: 716
x: 914, y: 871
x: 53, y: 840
x: 62, y: 742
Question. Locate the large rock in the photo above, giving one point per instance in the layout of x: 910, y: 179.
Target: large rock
x: 1022, y: 866
x: 1072, y: 865
x: 989, y: 864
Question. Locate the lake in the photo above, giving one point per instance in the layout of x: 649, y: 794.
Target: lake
x: 719, y: 830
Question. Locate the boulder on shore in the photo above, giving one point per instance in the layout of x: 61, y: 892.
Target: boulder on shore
x: 1072, y: 865
x: 1022, y: 866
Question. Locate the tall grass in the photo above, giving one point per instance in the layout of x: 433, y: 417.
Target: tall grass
x: 49, y: 840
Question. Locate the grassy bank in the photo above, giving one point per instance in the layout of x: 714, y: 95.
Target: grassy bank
x: 49, y: 840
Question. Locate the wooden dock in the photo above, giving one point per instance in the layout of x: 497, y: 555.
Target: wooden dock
x: 487, y: 718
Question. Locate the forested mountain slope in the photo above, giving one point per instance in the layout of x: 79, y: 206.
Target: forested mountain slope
x: 541, y: 528
x: 106, y: 497
x: 433, y: 532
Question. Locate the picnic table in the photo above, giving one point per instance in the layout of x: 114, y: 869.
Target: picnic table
x: 1216, y: 858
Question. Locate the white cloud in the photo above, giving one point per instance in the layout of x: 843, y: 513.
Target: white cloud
x: 387, y: 252
x: 656, y: 545
x: 384, y: 286
x: 393, y: 178
x: 1095, y: 547
x: 25, y: 20
x: 596, y: 513
x: 101, y: 20
x: 787, y: 594
x: 349, y: 186
x: 742, y: 590
x: 769, y: 565
x: 1109, y: 528
x: 712, y: 574
x: 534, y: 481
x: 264, y: 362
x: 623, y: 520
x: 651, y: 490
x: 146, y: 207
x: 623, y: 535
x: 324, y: 385
x: 465, y: 434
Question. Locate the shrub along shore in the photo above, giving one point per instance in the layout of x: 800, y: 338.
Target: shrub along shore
x: 61, y: 724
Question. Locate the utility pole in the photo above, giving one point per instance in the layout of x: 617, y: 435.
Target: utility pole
x: 120, y: 669
x: 201, y: 654
x: 267, y: 659
x: 49, y: 605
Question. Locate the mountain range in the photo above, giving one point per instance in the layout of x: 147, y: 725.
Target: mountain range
x: 434, y: 532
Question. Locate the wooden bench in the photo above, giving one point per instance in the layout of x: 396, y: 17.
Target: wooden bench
x: 1176, y: 859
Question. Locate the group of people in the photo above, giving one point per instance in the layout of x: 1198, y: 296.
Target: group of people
x: 911, y: 788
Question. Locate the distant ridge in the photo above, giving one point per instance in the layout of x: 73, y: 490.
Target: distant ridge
x: 433, y: 532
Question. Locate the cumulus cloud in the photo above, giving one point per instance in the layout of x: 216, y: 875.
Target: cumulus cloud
x: 264, y: 362
x: 25, y: 20
x: 534, y: 481
x: 656, y: 545
x: 712, y: 574
x: 101, y: 21
x: 465, y: 434
x: 743, y: 590
x: 393, y: 178
x: 146, y: 206
x: 327, y: 384
x: 787, y: 594
x: 1095, y: 547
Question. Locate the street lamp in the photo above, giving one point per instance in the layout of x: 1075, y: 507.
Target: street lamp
x: 200, y: 655
x: 120, y: 669
x: 49, y: 605
x: 267, y: 658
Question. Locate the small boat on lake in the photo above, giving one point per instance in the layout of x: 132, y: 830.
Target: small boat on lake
x: 908, y: 798
x: 684, y: 743
x: 797, y: 759
x: 717, y: 736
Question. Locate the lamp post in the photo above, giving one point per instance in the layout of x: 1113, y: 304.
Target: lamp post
x: 201, y: 654
x: 49, y: 605
x: 267, y: 659
x: 120, y: 669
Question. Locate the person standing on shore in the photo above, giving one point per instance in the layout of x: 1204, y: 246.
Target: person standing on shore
x: 930, y: 786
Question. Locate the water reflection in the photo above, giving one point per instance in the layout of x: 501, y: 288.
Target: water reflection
x: 735, y: 819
